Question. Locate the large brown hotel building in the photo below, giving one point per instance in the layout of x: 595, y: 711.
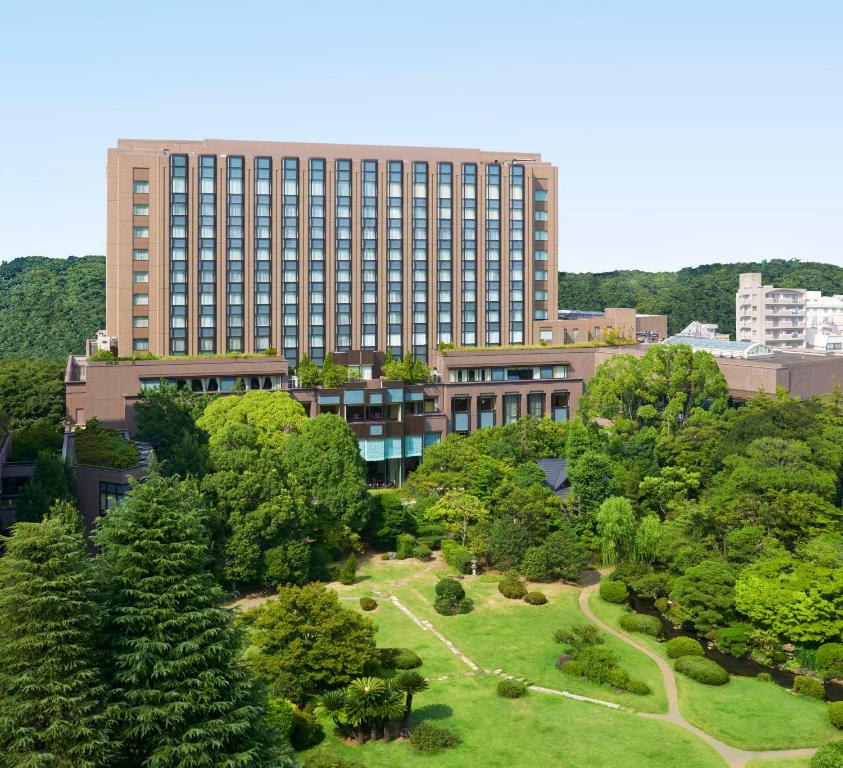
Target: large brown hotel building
x: 237, y: 246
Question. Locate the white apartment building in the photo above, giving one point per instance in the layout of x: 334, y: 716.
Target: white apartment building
x: 768, y: 315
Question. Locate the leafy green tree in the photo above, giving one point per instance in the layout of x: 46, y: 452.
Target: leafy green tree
x: 706, y: 594
x: 410, y: 370
x: 181, y: 697
x: 671, y: 487
x: 647, y: 538
x: 52, y: 691
x: 566, y: 558
x: 593, y: 480
x: 508, y: 541
x: 616, y: 526
x: 332, y: 374
x: 578, y: 440
x: 31, y: 390
x: 388, y: 519
x: 458, y: 510
x: 799, y: 601
x: 308, y: 373
x: 51, y: 481
x: 166, y: 418
x: 349, y: 570
x: 273, y: 415
x: 324, y: 460
x: 306, y: 639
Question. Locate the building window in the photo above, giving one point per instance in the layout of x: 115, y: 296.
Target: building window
x: 234, y: 196
x: 140, y: 277
x: 541, y: 234
x: 140, y: 187
x: 263, y: 253
x: 419, y: 262
x: 178, y: 253
x: 540, y: 314
x: 290, y: 259
x: 546, y: 334
x: 559, y: 406
x: 111, y: 494
x: 316, y: 253
x: 469, y: 255
x: 369, y: 254
x: 485, y: 411
x: 140, y: 232
x: 140, y: 254
x: 140, y: 345
x: 140, y: 209
x: 444, y: 253
x: 140, y: 321
x: 541, y: 215
x: 516, y: 255
x: 140, y: 299
x: 540, y: 274
x: 511, y: 407
x: 535, y: 405
x: 541, y: 295
x: 540, y: 255
x: 493, y: 254
x: 207, y: 240
x: 540, y: 196
x: 342, y: 254
x: 394, y: 256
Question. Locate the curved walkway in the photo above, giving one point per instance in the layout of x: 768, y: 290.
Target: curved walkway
x: 736, y: 758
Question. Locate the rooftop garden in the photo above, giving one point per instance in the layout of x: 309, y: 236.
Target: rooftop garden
x: 104, y: 356
x: 609, y: 340
x: 97, y: 446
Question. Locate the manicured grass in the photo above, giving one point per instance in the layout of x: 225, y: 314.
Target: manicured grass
x: 792, y: 762
x: 746, y: 712
x: 518, y: 638
x: 537, y: 730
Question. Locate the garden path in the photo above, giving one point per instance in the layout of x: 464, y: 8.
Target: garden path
x: 736, y: 758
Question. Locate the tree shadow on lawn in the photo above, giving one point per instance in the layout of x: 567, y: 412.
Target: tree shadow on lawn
x: 432, y: 712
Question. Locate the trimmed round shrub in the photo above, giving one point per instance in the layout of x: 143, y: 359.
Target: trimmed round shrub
x: 444, y: 605
x: 399, y: 658
x: 764, y: 677
x: 534, y: 566
x: 829, y: 659
x: 511, y: 689
x: 835, y: 714
x: 617, y: 678
x: 422, y: 552
x: 597, y: 663
x: 733, y: 640
x: 683, y: 646
x: 702, y: 670
x: 466, y: 605
x: 572, y: 668
x: 323, y: 760
x: 639, y: 622
x: 535, y: 598
x: 450, y: 589
x: 613, y: 591
x: 405, y: 545
x: 385, y: 556
x: 429, y: 737
x: 511, y: 588
x: 828, y: 756
x: 638, y: 687
x: 368, y: 603
x: 809, y: 686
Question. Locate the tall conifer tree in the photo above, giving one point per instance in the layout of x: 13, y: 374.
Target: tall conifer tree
x: 51, y: 688
x: 182, y: 698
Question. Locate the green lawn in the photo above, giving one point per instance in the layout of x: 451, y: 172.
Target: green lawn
x: 746, y: 713
x: 793, y: 762
x: 538, y: 730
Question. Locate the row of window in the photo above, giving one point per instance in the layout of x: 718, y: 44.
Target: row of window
x: 486, y: 409
x: 522, y: 373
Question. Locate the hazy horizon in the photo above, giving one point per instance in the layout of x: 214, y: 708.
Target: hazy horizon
x: 684, y: 134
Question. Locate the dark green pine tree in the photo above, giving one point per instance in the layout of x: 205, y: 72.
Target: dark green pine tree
x: 183, y: 699
x: 52, y: 694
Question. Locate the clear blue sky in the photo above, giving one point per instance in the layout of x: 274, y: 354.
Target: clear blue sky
x: 685, y: 132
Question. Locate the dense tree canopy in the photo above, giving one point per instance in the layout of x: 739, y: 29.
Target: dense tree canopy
x: 30, y: 390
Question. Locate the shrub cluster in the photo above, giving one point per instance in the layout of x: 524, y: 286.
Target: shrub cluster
x: 511, y: 689
x: 368, y: 603
x: 422, y: 552
x: 451, y: 599
x: 510, y: 587
x: 662, y: 605
x: 405, y: 546
x: 829, y: 660
x: 457, y: 556
x: 429, y: 737
x: 828, y: 756
x: 398, y: 658
x: 702, y: 670
x: 594, y: 662
x: 809, y: 686
x: 613, y: 591
x: 578, y: 636
x: 535, y: 598
x: 639, y: 622
x: 835, y: 713
x: 733, y: 640
x: 349, y: 570
x: 29, y: 442
x: 97, y: 446
x: 683, y: 646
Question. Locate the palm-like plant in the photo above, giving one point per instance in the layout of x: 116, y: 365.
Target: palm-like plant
x: 362, y: 697
x: 410, y: 683
x: 333, y: 703
x: 390, y: 707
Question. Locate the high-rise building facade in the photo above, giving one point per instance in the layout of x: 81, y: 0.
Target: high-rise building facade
x: 234, y: 246
x: 768, y: 315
